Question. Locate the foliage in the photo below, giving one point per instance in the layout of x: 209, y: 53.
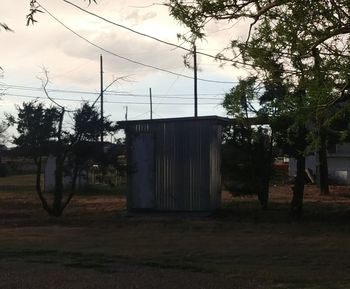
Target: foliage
x: 245, y: 159
x: 37, y: 127
x: 41, y: 133
x: 4, y: 125
x: 300, y: 53
x: 34, y: 8
x: 247, y: 150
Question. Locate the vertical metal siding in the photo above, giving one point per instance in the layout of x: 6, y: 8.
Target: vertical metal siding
x: 187, y: 163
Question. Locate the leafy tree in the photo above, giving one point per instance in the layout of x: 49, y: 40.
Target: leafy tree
x: 300, y: 49
x: 3, y: 136
x: 85, y: 136
x: 37, y: 127
x: 247, y: 144
x: 41, y: 133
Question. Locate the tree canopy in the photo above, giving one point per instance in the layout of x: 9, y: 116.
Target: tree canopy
x: 41, y: 133
x: 299, y: 53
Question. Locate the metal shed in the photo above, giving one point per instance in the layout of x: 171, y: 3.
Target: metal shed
x: 174, y: 163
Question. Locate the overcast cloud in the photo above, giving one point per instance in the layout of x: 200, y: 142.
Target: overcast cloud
x: 74, y: 64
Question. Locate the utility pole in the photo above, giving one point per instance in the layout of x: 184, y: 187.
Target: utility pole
x: 101, y: 96
x: 195, y: 81
x: 126, y: 112
x: 150, y: 102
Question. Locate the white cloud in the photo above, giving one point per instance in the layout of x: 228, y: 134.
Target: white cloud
x: 74, y: 64
x: 137, y: 17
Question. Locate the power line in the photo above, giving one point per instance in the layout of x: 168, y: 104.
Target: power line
x: 146, y: 35
x: 31, y: 88
x: 111, y: 93
x: 127, y: 28
x: 125, y: 58
x: 111, y: 102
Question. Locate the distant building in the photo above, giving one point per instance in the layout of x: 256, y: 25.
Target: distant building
x: 338, y: 164
x: 49, y: 176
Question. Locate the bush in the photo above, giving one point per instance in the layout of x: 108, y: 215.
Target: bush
x: 245, y: 161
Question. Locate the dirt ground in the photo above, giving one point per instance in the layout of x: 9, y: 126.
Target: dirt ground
x: 95, y: 245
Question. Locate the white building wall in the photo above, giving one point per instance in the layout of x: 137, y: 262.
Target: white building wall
x: 49, y: 176
x: 338, y: 165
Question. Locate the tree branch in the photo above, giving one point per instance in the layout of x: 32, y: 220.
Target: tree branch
x: 330, y: 34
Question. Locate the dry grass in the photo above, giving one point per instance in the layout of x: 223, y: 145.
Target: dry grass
x: 239, y: 247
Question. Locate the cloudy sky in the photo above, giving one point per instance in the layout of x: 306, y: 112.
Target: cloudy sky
x: 73, y: 63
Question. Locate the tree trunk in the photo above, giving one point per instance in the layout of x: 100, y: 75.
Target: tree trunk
x: 57, y: 207
x: 298, y: 188
x: 299, y: 182
x: 263, y: 194
x: 323, y: 165
x: 58, y: 192
x: 73, y: 188
x: 44, y: 203
x: 265, y: 172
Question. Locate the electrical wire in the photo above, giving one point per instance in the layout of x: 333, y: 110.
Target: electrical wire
x: 110, y: 93
x: 144, y: 34
x: 125, y: 58
x: 111, y: 102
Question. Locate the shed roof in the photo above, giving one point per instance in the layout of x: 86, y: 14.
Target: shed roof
x: 223, y: 120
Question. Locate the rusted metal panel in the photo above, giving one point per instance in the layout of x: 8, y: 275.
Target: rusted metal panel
x: 186, y: 173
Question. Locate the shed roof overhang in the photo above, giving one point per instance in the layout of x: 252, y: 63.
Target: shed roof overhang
x: 219, y: 119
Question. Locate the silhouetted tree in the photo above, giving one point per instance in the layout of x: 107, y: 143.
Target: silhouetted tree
x: 41, y: 133
x: 304, y: 49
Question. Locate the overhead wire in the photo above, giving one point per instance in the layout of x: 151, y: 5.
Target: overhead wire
x: 143, y: 34
x: 112, y: 93
x: 125, y: 27
x: 126, y: 58
x: 107, y: 101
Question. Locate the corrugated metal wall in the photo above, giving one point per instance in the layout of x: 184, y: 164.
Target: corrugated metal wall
x: 186, y: 153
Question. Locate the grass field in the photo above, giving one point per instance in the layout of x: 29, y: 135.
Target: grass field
x: 238, y: 247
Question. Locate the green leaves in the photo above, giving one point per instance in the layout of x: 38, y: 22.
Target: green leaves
x: 37, y: 126
x: 34, y: 8
x: 239, y: 101
x: 88, y: 125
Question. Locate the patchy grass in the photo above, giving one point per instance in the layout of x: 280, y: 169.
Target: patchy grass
x: 102, y: 189
x: 20, y: 180
x: 240, y: 242
x: 18, y: 183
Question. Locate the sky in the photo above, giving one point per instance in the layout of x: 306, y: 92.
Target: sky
x: 73, y: 64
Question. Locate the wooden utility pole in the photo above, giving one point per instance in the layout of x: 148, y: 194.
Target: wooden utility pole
x: 101, y: 95
x: 195, y: 80
x: 150, y: 102
x: 126, y: 112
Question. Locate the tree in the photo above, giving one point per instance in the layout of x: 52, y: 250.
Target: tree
x: 247, y: 163
x: 37, y: 127
x: 41, y: 133
x: 301, y: 49
x: 85, y: 136
x: 3, y: 135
